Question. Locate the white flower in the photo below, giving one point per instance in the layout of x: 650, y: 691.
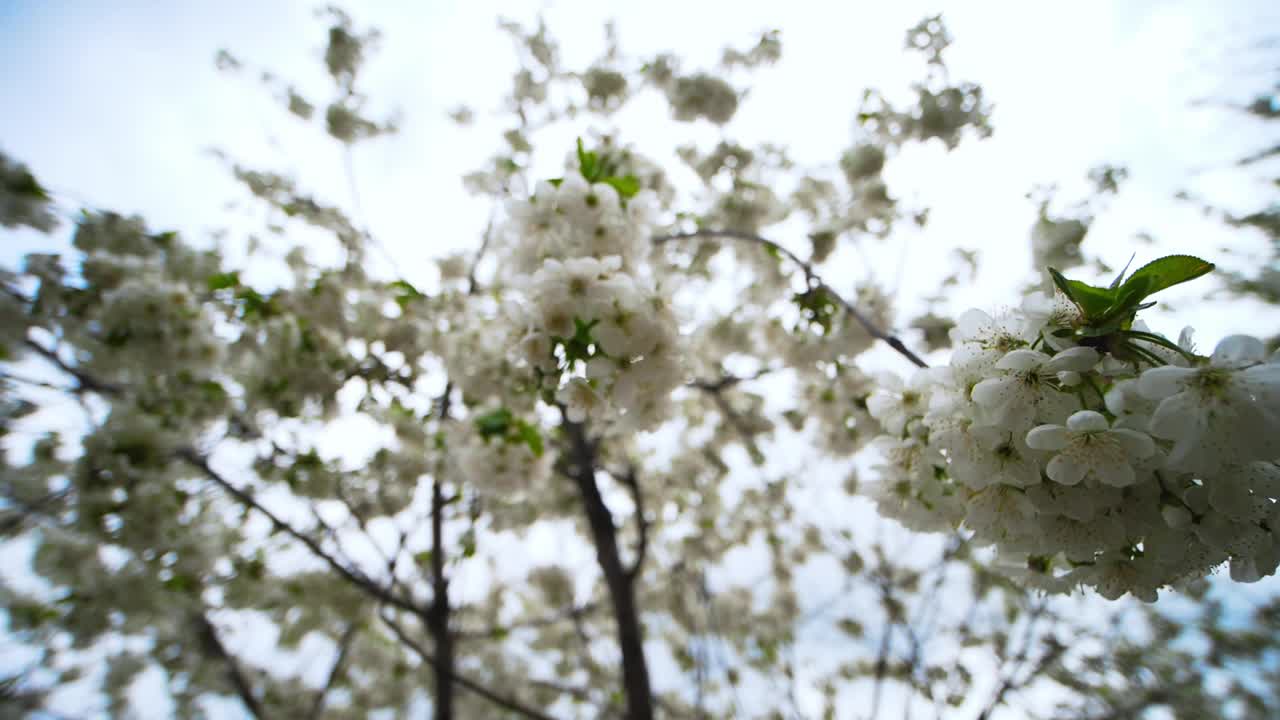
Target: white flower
x: 1129, y: 407
x: 1026, y: 389
x: 1089, y: 446
x: 981, y: 340
x: 1225, y: 412
x: 580, y: 399
x: 999, y: 511
x: 982, y: 455
x: 894, y: 403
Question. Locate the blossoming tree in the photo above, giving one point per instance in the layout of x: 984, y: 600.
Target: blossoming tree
x: 578, y: 376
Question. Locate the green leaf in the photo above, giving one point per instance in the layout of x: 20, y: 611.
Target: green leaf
x: 253, y: 303
x: 1094, y: 302
x: 180, y: 583
x: 423, y: 558
x: 495, y: 423
x: 213, y: 390
x: 405, y: 292
x: 627, y: 185
x: 222, y: 281
x: 1166, y: 272
x: 1120, y: 278
x: 531, y: 437
x: 588, y: 163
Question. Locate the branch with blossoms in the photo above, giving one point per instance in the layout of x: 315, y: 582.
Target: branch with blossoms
x: 1087, y: 449
x: 812, y: 280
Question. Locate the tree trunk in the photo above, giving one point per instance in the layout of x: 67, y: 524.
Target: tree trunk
x: 438, y: 613
x: 635, y: 671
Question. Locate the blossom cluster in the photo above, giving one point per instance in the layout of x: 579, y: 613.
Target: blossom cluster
x: 599, y: 335
x: 1111, y: 458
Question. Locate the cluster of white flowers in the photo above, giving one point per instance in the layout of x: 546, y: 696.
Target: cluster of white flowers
x: 1117, y: 460
x: 594, y: 328
x: 150, y: 325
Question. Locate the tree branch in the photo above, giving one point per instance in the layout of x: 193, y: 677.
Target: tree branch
x: 87, y: 382
x: 438, y: 613
x: 493, y: 697
x: 812, y: 279
x: 353, y: 576
x: 579, y: 465
x: 344, y: 645
x: 628, y: 478
x: 213, y: 646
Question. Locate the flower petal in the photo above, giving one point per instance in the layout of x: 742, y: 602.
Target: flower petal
x: 992, y: 392
x: 1177, y: 417
x: 1161, y: 382
x: 1238, y: 351
x: 1047, y: 437
x: 1087, y: 421
x: 1064, y: 470
x: 1022, y: 359
x: 1079, y: 359
x: 1138, y: 445
x: 1114, y: 474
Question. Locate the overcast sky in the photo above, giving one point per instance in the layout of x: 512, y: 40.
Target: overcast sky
x: 116, y: 104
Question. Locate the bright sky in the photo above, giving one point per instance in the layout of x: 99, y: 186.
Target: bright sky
x: 116, y: 105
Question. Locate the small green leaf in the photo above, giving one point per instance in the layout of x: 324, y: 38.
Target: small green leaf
x: 531, y: 437
x: 253, y: 303
x: 1120, y: 278
x: 222, y: 281
x: 588, y: 163
x: 1166, y: 272
x: 180, y: 583
x: 405, y: 292
x: 1094, y: 302
x: 627, y: 185
x: 495, y: 423
x: 423, y: 558
x: 213, y: 390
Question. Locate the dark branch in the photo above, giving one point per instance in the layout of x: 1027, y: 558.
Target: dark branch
x: 214, y: 648
x: 628, y: 478
x: 438, y: 613
x: 579, y: 464
x: 351, y: 575
x: 811, y: 278
x: 344, y: 645
x: 87, y: 382
x: 484, y: 692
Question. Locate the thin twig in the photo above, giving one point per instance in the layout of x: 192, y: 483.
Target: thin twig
x: 473, y: 286
x: 88, y: 382
x: 628, y: 478
x: 353, y: 576
x: 344, y: 645
x: 812, y: 279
